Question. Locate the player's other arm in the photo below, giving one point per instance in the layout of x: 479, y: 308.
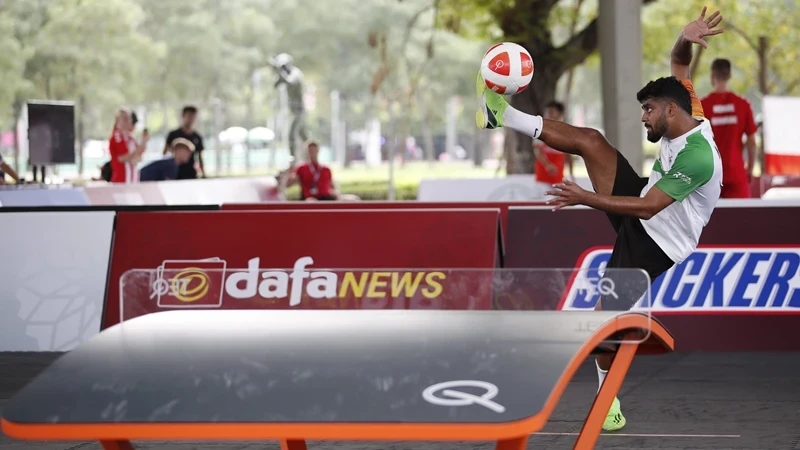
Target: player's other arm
x: 692, y: 169
x: 693, y: 33
x: 640, y: 207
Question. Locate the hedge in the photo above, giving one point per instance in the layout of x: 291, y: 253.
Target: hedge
x: 368, y: 190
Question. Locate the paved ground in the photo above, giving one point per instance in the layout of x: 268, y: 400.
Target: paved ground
x: 681, y: 401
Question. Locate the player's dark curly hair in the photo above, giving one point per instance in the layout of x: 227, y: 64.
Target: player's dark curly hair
x: 667, y: 88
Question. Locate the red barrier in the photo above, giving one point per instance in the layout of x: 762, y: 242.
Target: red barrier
x: 739, y: 291
x: 358, y: 239
x: 281, y: 206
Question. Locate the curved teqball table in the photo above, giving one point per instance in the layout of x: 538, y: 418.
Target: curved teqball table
x: 340, y: 375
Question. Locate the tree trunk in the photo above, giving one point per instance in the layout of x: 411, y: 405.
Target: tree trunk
x: 518, y: 148
x: 17, y: 116
x: 427, y: 136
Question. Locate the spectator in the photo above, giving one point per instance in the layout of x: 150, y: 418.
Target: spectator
x: 731, y: 117
x: 315, y: 179
x: 6, y: 169
x: 549, y: 168
x: 125, y: 152
x: 167, y: 168
x: 187, y: 170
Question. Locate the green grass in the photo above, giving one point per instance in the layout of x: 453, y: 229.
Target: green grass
x: 412, y: 172
x: 372, y: 183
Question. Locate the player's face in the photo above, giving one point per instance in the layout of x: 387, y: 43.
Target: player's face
x: 654, y: 117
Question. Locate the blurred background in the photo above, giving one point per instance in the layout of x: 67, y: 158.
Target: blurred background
x: 386, y: 82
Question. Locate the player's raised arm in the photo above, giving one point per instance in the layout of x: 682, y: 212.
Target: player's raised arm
x: 693, y: 33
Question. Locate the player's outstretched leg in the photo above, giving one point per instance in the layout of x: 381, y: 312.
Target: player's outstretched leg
x: 599, y: 156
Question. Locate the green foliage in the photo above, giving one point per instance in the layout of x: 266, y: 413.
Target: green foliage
x: 369, y: 190
x: 162, y: 54
x: 744, y: 21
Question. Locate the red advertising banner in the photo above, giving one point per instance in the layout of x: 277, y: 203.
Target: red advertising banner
x: 282, y: 206
x: 740, y: 290
x: 193, y: 243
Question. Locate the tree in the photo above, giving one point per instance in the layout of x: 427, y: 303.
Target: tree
x: 531, y: 23
x: 744, y: 22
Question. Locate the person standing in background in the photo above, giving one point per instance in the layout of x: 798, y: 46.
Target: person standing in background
x: 549, y: 167
x: 125, y: 153
x: 731, y: 117
x: 187, y: 170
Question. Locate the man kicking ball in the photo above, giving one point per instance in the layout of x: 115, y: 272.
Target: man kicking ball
x: 659, y: 219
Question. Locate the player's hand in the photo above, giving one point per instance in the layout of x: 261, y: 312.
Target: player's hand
x: 702, y: 27
x: 566, y: 193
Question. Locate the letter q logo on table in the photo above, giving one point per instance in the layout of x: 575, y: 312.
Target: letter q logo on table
x: 446, y: 394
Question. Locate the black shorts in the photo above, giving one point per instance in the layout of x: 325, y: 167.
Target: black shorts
x: 633, y: 249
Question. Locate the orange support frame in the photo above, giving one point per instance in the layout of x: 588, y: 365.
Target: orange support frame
x: 509, y: 436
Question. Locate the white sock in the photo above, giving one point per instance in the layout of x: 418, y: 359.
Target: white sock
x: 524, y: 123
x: 601, y: 375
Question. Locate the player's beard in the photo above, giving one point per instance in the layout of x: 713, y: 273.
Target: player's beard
x: 657, y: 131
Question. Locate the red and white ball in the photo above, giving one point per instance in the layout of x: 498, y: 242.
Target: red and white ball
x: 507, y: 68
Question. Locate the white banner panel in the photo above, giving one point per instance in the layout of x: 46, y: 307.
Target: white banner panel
x: 505, y: 188
x: 781, y: 133
x: 53, y: 278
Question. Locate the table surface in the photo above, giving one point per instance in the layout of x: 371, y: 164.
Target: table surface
x: 306, y: 366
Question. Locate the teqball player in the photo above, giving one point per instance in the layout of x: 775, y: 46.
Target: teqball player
x: 658, y: 220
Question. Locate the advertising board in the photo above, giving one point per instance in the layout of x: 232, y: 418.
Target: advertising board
x: 740, y: 290
x: 240, y: 245
x: 282, y: 206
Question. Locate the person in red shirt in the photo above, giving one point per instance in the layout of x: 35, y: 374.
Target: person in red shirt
x: 315, y: 179
x: 731, y: 117
x: 549, y: 168
x: 125, y: 151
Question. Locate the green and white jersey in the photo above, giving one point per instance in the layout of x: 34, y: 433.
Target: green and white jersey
x: 689, y: 170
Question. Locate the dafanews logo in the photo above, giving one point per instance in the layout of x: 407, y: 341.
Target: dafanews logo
x: 277, y: 284
x: 204, y: 283
x: 189, y: 283
x: 753, y: 279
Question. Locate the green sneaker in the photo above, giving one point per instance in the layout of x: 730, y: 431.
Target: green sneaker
x: 490, y: 114
x: 614, y: 420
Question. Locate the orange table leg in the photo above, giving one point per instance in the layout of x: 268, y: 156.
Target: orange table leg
x: 293, y: 444
x: 518, y: 443
x: 116, y: 445
x: 602, y: 403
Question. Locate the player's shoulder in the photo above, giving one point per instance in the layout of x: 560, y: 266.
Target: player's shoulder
x: 698, y: 144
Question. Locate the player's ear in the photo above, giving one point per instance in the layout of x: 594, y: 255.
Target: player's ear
x: 671, y: 109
